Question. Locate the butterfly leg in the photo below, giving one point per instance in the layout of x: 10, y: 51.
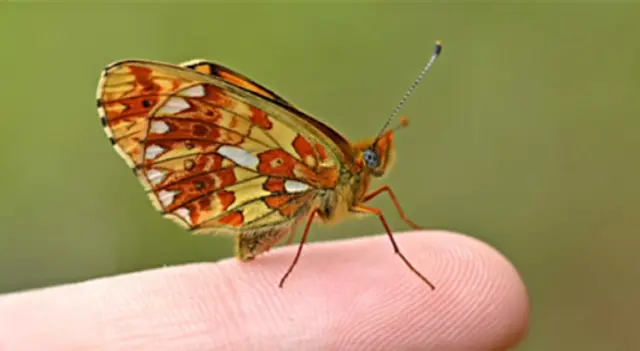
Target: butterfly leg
x: 396, y: 249
x: 302, y: 241
x: 387, y: 189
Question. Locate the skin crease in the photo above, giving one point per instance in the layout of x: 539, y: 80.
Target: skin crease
x: 344, y: 295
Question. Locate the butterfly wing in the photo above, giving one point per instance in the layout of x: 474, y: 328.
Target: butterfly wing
x: 238, y: 79
x: 332, y: 138
x: 214, y: 154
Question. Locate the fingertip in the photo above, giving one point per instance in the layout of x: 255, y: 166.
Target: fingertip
x: 480, y: 301
x: 342, y: 293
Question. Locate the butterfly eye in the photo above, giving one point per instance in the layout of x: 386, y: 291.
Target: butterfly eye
x: 371, y: 158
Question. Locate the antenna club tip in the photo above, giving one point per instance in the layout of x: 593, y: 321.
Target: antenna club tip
x: 438, y: 48
x: 404, y: 121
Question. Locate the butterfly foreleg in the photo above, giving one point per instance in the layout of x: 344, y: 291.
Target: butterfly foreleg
x: 396, y: 203
x: 302, y: 241
x: 396, y: 249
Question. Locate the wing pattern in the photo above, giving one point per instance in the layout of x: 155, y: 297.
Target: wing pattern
x: 214, y: 150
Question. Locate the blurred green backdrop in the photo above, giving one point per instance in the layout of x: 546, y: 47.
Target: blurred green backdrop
x: 525, y: 135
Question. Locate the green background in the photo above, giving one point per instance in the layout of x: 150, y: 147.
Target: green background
x: 524, y: 134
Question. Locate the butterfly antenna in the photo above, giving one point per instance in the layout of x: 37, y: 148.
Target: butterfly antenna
x: 436, y: 53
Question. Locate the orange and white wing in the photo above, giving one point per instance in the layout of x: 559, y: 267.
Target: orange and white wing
x: 213, y: 153
x: 334, y: 141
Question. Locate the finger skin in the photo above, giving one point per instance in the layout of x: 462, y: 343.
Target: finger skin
x: 343, y: 295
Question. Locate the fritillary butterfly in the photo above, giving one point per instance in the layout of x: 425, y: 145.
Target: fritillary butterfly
x: 219, y: 153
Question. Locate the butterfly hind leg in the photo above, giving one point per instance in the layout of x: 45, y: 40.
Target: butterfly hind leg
x: 299, y: 252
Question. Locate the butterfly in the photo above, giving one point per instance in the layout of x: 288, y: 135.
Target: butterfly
x: 218, y: 153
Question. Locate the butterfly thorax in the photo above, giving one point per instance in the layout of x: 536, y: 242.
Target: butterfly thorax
x: 335, y: 204
x: 372, y: 158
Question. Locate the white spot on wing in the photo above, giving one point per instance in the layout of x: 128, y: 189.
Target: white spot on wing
x: 294, y: 186
x: 194, y: 91
x: 184, y: 213
x: 152, y: 151
x: 159, y: 127
x: 239, y: 155
x: 156, y: 176
x: 167, y: 197
x: 174, y: 105
x: 217, y: 181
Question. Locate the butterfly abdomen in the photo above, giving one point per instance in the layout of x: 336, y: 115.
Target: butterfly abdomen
x: 252, y: 243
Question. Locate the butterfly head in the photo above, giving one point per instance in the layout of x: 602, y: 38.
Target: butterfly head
x: 376, y: 156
